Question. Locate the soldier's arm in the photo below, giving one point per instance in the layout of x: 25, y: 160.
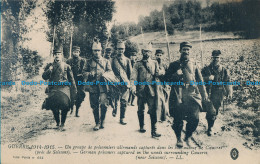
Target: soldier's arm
x: 71, y: 78
x: 133, y: 76
x: 206, y: 73
x: 129, y: 69
x: 86, y: 70
x: 202, y: 88
x: 228, y: 88
x: 171, y: 73
x: 47, y: 72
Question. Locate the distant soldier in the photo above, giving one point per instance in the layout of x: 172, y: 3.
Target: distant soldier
x: 77, y: 64
x: 146, y: 70
x: 185, y: 99
x: 133, y: 61
x: 122, y: 69
x: 93, y: 71
x: 163, y: 95
x: 62, y: 88
x: 216, y: 73
x: 108, y: 53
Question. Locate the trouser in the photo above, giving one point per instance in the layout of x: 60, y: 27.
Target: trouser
x: 189, y: 110
x: 79, y: 99
x: 123, y: 103
x: 56, y: 114
x: 99, y: 102
x: 131, y: 98
x: 150, y: 100
x: 216, y: 99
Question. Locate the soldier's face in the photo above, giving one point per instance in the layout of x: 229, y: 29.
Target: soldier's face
x: 97, y: 53
x: 58, y: 57
x: 133, y: 58
x: 108, y: 54
x: 147, y: 54
x: 158, y: 56
x: 185, y: 54
x: 75, y: 53
x: 120, y: 51
x: 216, y: 60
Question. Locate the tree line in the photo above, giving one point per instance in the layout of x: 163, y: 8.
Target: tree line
x: 240, y: 17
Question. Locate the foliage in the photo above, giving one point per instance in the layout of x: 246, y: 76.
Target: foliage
x: 130, y: 47
x: 241, y: 16
x: 86, y: 19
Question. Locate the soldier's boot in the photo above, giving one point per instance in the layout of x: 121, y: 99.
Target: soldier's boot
x: 103, y: 116
x: 56, y: 115
x: 96, y: 117
x: 132, y: 100
x: 210, y: 125
x: 177, y: 127
x: 114, y: 109
x: 63, y: 119
x: 141, y: 123
x: 77, y: 111
x: 122, y: 113
x: 44, y: 104
x: 154, y: 128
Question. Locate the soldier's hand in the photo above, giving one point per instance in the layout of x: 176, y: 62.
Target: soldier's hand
x: 211, y: 77
x: 229, y: 96
x: 50, y: 68
x: 179, y: 72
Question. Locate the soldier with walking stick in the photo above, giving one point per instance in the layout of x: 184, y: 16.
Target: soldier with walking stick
x: 215, y: 72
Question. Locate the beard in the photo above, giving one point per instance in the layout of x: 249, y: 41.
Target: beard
x: 184, y: 58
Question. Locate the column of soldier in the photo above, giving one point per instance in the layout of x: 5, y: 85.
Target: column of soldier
x: 185, y: 101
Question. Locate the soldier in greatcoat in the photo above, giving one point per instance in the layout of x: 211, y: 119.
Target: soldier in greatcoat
x: 144, y: 73
x: 215, y: 72
x: 77, y: 64
x: 61, y: 90
x: 122, y: 69
x: 93, y: 71
x: 185, y: 100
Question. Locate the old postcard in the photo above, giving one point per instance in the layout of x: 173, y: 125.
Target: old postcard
x: 130, y: 81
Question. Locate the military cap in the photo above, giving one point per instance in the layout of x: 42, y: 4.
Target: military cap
x: 185, y: 44
x: 216, y: 53
x: 108, y: 49
x: 96, y: 46
x: 75, y: 48
x: 133, y: 53
x: 159, y: 51
x: 120, y: 44
x: 148, y: 47
x: 57, y: 50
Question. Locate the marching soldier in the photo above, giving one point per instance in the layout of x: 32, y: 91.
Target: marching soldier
x: 77, y: 64
x: 93, y: 71
x: 63, y: 89
x: 122, y: 68
x: 215, y: 72
x: 163, y: 90
x: 133, y: 61
x: 185, y: 99
x: 146, y: 70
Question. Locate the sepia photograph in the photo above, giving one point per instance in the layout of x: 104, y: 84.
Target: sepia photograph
x: 130, y: 81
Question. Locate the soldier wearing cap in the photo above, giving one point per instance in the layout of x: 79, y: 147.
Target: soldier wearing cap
x: 93, y: 71
x: 146, y: 70
x: 163, y: 90
x: 185, y: 99
x: 133, y: 61
x: 108, y: 53
x: 77, y: 64
x: 122, y: 69
x: 215, y: 72
x: 59, y: 71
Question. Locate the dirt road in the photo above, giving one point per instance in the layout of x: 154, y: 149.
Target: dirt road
x: 118, y: 143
